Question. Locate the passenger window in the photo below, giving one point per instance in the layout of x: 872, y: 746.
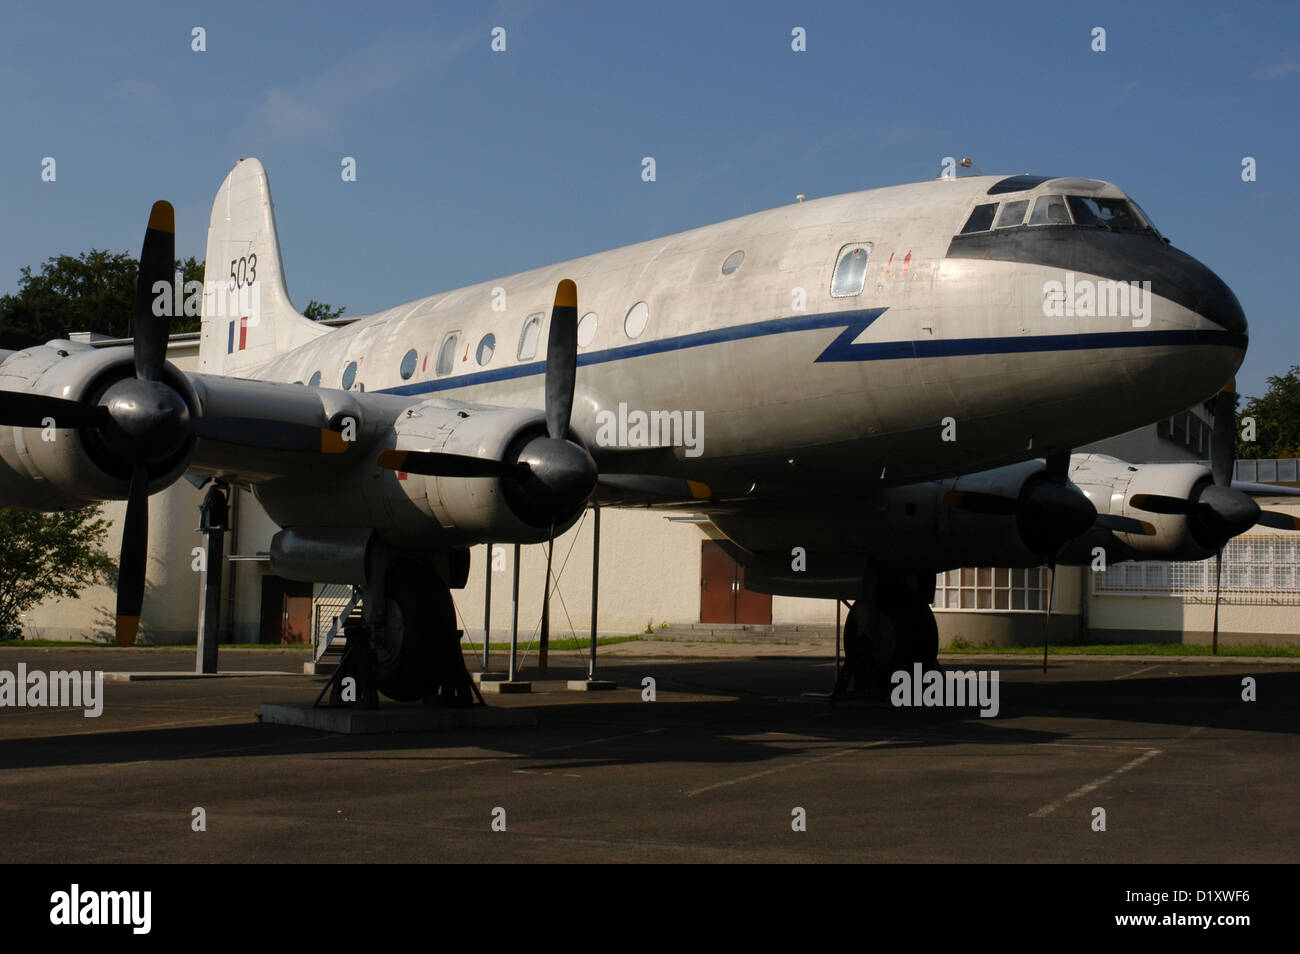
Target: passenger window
x: 634, y: 321
x: 529, y: 337
x: 981, y: 220
x: 314, y: 380
x: 408, y: 364
x: 1013, y: 214
x: 349, y: 375
x: 447, y: 353
x: 486, y: 346
x: 1049, y: 210
x: 850, y: 270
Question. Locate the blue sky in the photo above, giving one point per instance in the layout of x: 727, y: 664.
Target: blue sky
x: 473, y: 164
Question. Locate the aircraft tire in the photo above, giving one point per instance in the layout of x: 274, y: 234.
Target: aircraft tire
x: 419, y: 655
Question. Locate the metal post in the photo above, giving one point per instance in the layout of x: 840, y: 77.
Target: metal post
x: 487, y: 607
x: 595, y: 585
x: 514, y: 617
x: 213, y: 521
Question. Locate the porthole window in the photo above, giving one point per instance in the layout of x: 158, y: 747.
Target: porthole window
x: 850, y: 270
x: 733, y: 262
x: 587, y: 329
x: 529, y: 337
x: 636, y: 319
x: 349, y: 375
x: 447, y: 353
x: 409, y: 361
x: 314, y: 380
x: 486, y: 346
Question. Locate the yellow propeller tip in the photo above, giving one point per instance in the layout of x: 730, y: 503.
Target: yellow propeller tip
x: 128, y: 627
x: 392, y: 459
x: 698, y: 490
x: 332, y: 442
x: 162, y: 217
x: 566, y: 294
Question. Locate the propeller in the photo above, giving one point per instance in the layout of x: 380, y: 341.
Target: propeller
x: 144, y: 421
x: 550, y: 475
x: 1220, y: 510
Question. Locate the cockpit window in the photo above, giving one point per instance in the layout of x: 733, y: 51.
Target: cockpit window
x: 981, y: 220
x: 1049, y: 210
x: 1112, y: 214
x: 1142, y: 214
x: 1013, y: 214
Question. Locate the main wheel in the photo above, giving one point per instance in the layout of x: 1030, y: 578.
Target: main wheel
x: 418, y: 654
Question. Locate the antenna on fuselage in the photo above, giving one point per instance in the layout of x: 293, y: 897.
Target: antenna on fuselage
x: 969, y: 163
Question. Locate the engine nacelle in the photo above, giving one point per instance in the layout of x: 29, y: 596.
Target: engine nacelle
x: 65, y: 468
x: 1112, y: 484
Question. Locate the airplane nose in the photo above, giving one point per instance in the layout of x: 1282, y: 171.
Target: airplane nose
x: 1207, y: 294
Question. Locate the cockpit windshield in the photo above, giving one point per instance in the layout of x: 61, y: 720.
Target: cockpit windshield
x: 1113, y: 214
x: 1088, y: 211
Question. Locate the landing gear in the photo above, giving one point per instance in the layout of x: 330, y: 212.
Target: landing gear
x: 416, y: 646
x: 891, y: 628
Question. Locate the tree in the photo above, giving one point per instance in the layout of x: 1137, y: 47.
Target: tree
x: 1277, y: 419
x: 49, y: 555
x: 93, y: 291
x: 319, y: 311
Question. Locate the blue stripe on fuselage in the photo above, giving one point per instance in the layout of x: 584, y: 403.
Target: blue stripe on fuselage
x: 843, y: 347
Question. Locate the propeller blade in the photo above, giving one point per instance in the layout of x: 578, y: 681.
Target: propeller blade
x: 1223, y: 449
x: 1058, y: 467
x: 974, y: 501
x: 274, y: 435
x: 1161, y: 503
x: 157, y: 264
x: 131, y: 565
x: 652, y: 485
x: 32, y: 410
x: 562, y: 359
x: 1118, y: 524
x: 1278, y: 521
x: 435, y: 464
x: 544, y: 642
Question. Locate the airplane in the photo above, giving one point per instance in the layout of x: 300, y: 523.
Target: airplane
x: 892, y: 380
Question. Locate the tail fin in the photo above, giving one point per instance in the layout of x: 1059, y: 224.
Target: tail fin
x: 247, y: 315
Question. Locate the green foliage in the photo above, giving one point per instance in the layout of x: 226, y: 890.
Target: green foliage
x: 319, y: 311
x: 49, y: 555
x: 93, y: 291
x: 1277, y: 419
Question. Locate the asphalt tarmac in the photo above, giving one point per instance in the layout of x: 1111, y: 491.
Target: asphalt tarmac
x: 713, y: 770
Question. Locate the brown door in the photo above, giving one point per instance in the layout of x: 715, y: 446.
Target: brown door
x: 751, y: 607
x: 297, y: 612
x: 286, y: 611
x: 723, y: 597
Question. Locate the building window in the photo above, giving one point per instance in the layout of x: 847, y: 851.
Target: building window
x: 636, y: 319
x: 1258, y: 569
x: 447, y: 353
x: 409, y: 361
x: 995, y: 589
x: 850, y: 270
x: 529, y: 337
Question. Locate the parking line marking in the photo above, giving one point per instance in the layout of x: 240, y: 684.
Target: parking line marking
x: 782, y: 768
x: 1095, y: 784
